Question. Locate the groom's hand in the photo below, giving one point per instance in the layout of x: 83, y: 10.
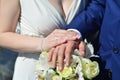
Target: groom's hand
x: 61, y: 53
x: 82, y: 49
x: 64, y: 52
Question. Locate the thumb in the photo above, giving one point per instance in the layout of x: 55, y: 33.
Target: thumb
x: 82, y: 48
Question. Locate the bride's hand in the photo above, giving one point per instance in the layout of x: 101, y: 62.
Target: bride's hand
x: 58, y: 37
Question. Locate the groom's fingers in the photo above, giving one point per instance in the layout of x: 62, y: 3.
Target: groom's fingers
x: 61, y: 55
x: 68, y: 52
x: 50, y: 54
x: 54, y: 57
x: 82, y: 48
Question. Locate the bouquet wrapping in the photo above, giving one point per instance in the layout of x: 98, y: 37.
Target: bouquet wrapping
x: 80, y: 68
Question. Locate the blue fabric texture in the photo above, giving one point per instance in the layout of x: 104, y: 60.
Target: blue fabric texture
x: 104, y: 14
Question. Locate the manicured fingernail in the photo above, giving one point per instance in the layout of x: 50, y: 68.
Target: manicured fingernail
x: 67, y: 64
x: 60, y: 68
x: 83, y: 53
x: 53, y: 66
x: 49, y: 59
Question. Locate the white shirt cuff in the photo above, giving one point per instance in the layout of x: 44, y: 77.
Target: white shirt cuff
x: 76, y: 31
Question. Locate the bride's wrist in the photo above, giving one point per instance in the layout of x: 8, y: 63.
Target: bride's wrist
x: 43, y: 46
x: 40, y: 45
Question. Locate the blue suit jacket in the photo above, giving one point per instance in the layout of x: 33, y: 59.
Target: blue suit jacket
x: 104, y: 13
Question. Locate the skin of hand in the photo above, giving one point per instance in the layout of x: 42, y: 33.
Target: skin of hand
x: 58, y: 37
x: 9, y: 16
x: 60, y: 53
x: 21, y: 43
x: 64, y: 51
x: 82, y: 49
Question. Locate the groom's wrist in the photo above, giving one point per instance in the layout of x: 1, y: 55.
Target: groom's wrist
x: 75, y: 30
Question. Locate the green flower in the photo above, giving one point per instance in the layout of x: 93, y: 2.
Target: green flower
x: 43, y: 54
x: 55, y: 77
x: 90, y: 69
x: 66, y: 72
x: 80, y: 67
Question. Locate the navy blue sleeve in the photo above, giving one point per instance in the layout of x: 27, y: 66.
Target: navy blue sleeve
x: 90, y: 19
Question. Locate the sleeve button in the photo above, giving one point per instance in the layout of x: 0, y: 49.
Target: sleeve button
x: 115, y: 50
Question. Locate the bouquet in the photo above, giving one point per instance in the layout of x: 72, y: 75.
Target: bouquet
x: 80, y: 68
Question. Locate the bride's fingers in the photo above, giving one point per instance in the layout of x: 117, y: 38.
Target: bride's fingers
x: 58, y: 37
x: 58, y: 41
x: 59, y: 31
x: 49, y: 43
x: 67, y: 34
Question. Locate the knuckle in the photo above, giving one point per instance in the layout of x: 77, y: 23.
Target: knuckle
x: 60, y: 57
x: 61, y: 54
x: 67, y: 53
x: 60, y: 63
x: 54, y: 58
x: 56, y: 51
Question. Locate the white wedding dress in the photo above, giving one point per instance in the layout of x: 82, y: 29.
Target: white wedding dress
x: 39, y: 18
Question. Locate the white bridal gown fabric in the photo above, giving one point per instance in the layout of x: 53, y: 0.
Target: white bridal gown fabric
x: 39, y: 18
